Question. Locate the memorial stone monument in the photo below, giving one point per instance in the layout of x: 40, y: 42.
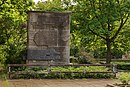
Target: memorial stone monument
x: 48, y: 37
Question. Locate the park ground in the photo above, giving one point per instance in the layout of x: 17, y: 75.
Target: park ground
x: 58, y: 83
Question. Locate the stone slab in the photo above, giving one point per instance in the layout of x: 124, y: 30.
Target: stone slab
x: 48, y: 31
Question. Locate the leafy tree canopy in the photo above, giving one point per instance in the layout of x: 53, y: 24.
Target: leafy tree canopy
x: 13, y: 15
x: 103, y: 18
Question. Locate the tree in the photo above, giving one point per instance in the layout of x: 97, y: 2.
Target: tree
x: 13, y: 17
x: 103, y: 18
x: 54, y: 5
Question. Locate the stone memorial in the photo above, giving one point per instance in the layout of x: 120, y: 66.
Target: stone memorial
x: 48, y: 37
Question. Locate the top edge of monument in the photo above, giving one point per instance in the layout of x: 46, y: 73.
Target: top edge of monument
x: 61, y: 12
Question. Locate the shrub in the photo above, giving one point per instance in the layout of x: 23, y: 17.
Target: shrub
x: 62, y: 75
x: 124, y: 77
x: 73, y: 59
x: 86, y: 58
x: 123, y: 65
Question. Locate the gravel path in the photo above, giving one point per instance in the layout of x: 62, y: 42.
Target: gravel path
x: 59, y: 83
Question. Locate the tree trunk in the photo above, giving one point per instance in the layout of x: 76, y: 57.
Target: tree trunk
x: 108, y: 56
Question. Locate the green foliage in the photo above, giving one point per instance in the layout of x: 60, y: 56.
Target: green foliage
x: 80, y: 69
x: 122, y: 65
x: 2, y: 74
x: 54, y: 5
x: 104, y: 19
x: 31, y: 72
x: 124, y: 78
x: 2, y: 67
x: 13, y: 36
x: 91, y: 21
x: 85, y: 58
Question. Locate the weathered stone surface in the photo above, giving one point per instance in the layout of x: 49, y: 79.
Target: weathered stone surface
x: 48, y: 36
x: 45, y: 54
x: 64, y: 37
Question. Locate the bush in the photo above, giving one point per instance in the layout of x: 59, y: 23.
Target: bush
x: 123, y: 65
x: 86, y: 58
x: 124, y: 77
x: 73, y: 59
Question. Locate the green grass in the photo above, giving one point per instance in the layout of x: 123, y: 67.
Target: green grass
x: 3, y: 76
x: 121, y: 63
x: 6, y: 83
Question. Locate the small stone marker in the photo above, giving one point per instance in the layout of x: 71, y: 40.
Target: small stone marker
x: 48, y: 37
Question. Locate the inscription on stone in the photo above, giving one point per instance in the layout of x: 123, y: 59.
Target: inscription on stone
x: 45, y: 54
x: 54, y: 22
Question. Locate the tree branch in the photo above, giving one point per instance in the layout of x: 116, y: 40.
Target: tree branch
x: 120, y: 27
x: 96, y: 33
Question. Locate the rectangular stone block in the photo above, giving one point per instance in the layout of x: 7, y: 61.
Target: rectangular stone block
x: 48, y: 36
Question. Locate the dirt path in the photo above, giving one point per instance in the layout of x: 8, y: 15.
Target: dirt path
x: 1, y: 83
x: 59, y: 83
